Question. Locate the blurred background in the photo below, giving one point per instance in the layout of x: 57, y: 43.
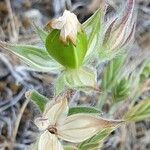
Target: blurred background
x: 15, y: 27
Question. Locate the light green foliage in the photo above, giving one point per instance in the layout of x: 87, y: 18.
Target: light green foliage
x: 137, y: 79
x: 110, y: 79
x: 146, y: 72
x: 69, y: 55
x: 111, y: 72
x: 70, y: 147
x: 121, y: 90
x: 38, y: 99
x: 37, y: 58
x: 90, y: 146
x: 139, y: 112
x: 41, y: 101
x: 93, y: 29
x: 80, y: 109
x: 96, y: 141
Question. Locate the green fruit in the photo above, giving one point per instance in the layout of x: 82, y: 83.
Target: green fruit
x: 69, y: 55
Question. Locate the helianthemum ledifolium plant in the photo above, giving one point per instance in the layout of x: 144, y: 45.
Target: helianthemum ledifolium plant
x: 70, y: 47
x: 75, y: 51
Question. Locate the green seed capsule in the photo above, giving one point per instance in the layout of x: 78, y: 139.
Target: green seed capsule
x: 67, y: 54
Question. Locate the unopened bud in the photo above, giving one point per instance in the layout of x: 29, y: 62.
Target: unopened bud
x: 67, y: 43
x: 121, y: 30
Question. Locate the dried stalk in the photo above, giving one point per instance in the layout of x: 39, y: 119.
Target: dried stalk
x: 18, y: 122
x: 13, y: 33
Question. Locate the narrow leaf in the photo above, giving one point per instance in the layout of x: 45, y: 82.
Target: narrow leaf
x: 90, y: 146
x: 75, y: 110
x: 139, y: 112
x: 92, y: 28
x: 120, y: 90
x: 96, y: 141
x: 146, y: 71
x: 38, y: 59
x: 102, y: 135
x: 70, y: 147
x: 38, y: 99
x: 111, y: 72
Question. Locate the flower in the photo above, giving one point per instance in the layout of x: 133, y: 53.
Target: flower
x: 69, y: 26
x: 75, y: 128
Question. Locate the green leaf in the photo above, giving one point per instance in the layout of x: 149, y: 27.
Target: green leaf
x: 102, y: 135
x: 111, y: 72
x: 91, y: 146
x: 136, y: 81
x: 75, y: 110
x: 80, y: 79
x: 146, y: 71
x: 139, y: 112
x: 38, y: 59
x: 120, y: 90
x: 96, y: 141
x: 93, y: 27
x: 69, y: 147
x: 38, y: 99
x: 41, y: 33
x: 67, y: 54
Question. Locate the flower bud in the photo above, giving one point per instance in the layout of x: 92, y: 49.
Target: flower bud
x: 121, y: 30
x: 67, y: 43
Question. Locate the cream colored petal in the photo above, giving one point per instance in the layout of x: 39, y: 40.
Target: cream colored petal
x: 41, y: 123
x: 80, y: 127
x: 63, y: 35
x: 49, y: 141
x: 57, y: 112
x: 72, y: 38
x: 57, y: 23
x: 69, y: 26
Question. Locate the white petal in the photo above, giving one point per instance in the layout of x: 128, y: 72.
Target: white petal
x: 80, y: 127
x: 41, y: 123
x: 49, y: 141
x: 57, y: 112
